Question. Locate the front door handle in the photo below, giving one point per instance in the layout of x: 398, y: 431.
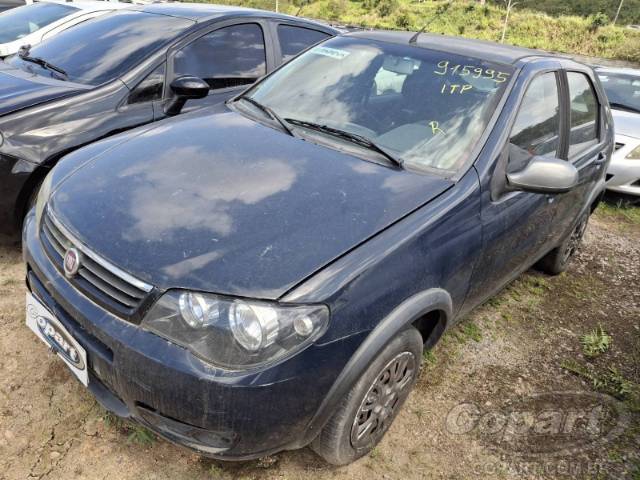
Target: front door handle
x: 601, y: 158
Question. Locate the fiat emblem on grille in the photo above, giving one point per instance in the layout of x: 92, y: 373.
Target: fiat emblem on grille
x: 71, y: 262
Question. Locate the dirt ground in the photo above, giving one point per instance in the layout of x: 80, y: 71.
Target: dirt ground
x: 520, y: 352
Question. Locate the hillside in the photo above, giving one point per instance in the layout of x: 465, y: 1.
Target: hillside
x: 629, y: 13
x: 590, y: 36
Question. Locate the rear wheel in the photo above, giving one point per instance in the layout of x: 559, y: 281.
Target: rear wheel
x: 557, y: 260
x: 368, y: 410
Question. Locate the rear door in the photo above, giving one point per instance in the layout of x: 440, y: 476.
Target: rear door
x: 585, y: 147
x: 229, y: 57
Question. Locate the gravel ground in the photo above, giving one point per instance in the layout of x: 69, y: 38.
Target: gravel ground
x: 518, y: 357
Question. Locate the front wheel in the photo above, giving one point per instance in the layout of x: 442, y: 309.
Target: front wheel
x: 368, y: 410
x: 557, y: 260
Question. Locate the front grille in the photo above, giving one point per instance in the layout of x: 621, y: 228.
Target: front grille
x: 104, y: 283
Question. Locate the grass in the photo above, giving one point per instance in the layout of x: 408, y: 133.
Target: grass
x: 472, y: 331
x: 571, y: 34
x: 140, y: 435
x: 430, y: 358
x: 136, y: 433
x: 620, y: 211
x: 610, y: 381
x: 595, y: 342
x: 215, y: 471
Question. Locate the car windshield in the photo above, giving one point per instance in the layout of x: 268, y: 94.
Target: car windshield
x: 426, y: 108
x: 623, y: 89
x: 22, y: 21
x: 119, y: 41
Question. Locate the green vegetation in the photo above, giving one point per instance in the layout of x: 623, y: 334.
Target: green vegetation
x: 140, y: 435
x: 595, y: 342
x: 430, y: 358
x: 611, y: 381
x: 629, y: 13
x: 135, y: 432
x: 469, y: 331
x: 626, y: 212
x: 591, y: 34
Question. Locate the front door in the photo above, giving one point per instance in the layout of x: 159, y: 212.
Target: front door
x: 517, y: 226
x: 229, y: 59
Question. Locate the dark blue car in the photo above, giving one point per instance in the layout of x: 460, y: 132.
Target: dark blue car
x: 266, y: 276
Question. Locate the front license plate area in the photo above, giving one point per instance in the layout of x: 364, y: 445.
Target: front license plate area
x: 49, y: 329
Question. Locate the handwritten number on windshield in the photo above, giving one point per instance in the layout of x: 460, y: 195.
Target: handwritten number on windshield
x: 444, y: 67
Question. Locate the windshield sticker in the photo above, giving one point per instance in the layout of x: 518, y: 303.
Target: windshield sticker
x: 330, y: 52
x: 435, y: 128
x: 444, y: 68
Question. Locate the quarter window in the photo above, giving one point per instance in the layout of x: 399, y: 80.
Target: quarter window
x: 584, y: 114
x: 295, y: 39
x: 537, y: 127
x: 150, y: 88
x: 229, y: 57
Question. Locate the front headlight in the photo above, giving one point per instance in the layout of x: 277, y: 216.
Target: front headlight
x: 233, y: 333
x: 634, y: 154
x: 43, y: 197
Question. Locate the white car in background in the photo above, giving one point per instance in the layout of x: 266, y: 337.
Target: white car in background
x: 623, y: 89
x: 31, y: 24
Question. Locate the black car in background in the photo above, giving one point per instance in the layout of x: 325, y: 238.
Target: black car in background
x: 124, y: 70
x: 7, y: 4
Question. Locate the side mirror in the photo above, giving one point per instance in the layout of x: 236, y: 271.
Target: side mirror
x: 544, y: 175
x: 185, y: 88
x: 24, y: 50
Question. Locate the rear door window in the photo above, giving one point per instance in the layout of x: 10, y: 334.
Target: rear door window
x: 295, y: 39
x: 536, y: 130
x: 228, y: 57
x: 584, y: 114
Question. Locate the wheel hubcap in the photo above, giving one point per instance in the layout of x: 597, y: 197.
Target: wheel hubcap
x: 575, y: 239
x: 380, y: 404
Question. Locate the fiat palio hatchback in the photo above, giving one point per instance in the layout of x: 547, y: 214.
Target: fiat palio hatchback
x: 267, y: 277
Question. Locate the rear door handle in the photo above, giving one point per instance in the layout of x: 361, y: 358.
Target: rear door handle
x: 600, y: 159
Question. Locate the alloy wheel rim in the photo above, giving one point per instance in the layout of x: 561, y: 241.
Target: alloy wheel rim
x: 574, y: 240
x: 384, y: 397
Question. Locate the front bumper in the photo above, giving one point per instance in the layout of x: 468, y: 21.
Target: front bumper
x: 222, y: 414
x: 623, y: 175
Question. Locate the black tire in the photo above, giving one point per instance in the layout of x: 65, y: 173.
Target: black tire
x: 397, y: 365
x: 557, y: 260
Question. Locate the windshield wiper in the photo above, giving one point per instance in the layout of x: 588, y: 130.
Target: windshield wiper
x: 622, y: 106
x: 44, y: 64
x: 351, y: 137
x: 269, y: 112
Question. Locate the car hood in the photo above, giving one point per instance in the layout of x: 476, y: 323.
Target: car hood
x: 626, y: 123
x: 220, y: 203
x: 20, y: 89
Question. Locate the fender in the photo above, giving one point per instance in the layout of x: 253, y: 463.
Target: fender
x: 434, y: 299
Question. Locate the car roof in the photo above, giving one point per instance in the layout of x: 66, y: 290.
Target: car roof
x: 199, y: 12
x: 490, y: 51
x: 91, y: 6
x: 621, y: 70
